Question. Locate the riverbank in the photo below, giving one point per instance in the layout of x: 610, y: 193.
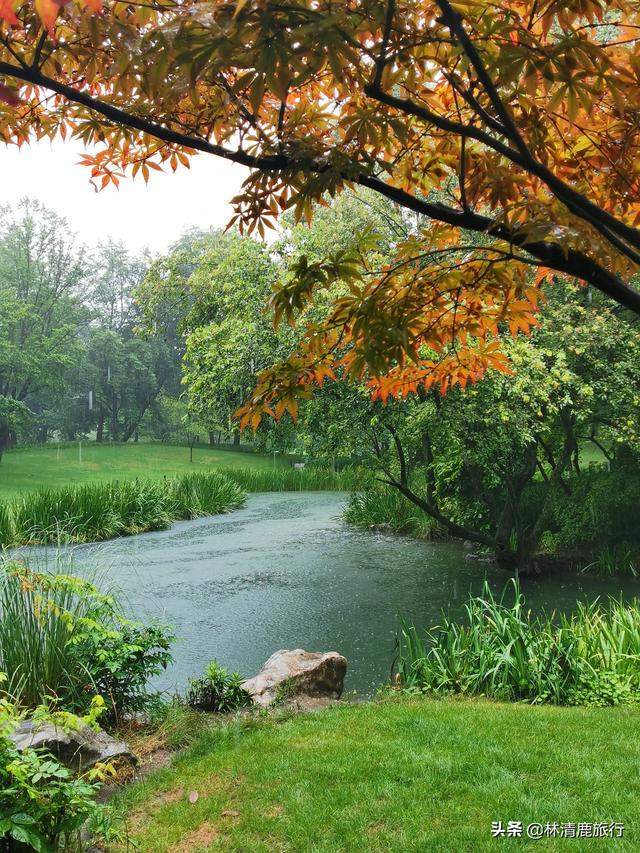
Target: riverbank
x: 394, y: 774
x: 285, y: 571
x: 29, y: 469
x: 95, y: 512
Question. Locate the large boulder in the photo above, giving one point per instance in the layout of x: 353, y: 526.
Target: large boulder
x: 77, y: 748
x: 292, y: 673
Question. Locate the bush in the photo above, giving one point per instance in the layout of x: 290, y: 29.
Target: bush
x: 589, y: 658
x: 62, y: 640
x: 219, y: 691
x: 42, y: 804
x: 601, y: 510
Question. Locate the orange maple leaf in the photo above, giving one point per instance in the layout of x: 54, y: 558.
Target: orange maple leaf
x: 7, y: 12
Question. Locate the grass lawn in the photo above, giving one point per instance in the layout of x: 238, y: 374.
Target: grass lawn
x: 25, y: 470
x: 406, y: 775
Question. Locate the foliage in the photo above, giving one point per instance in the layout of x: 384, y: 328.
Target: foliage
x: 414, y: 774
x: 383, y: 508
x: 289, y: 479
x: 92, y: 512
x: 508, y: 139
x: 599, y: 510
x: 42, y: 279
x: 212, y: 289
x: 62, y: 641
x: 506, y: 461
x: 589, y: 658
x: 218, y: 691
x: 42, y: 805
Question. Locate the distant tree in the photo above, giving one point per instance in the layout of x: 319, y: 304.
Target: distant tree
x: 215, y: 286
x: 43, y: 280
x: 509, y: 129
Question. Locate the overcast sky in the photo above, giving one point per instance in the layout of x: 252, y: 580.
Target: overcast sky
x: 141, y: 216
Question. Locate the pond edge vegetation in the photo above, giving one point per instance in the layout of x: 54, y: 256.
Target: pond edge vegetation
x: 95, y: 512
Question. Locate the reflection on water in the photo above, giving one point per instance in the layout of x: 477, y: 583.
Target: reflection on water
x: 285, y: 571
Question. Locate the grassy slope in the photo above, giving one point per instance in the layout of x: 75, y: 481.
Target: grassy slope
x: 397, y: 775
x: 25, y: 470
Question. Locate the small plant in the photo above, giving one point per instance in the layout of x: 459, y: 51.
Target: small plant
x: 42, y: 804
x: 219, y: 691
x: 63, y: 641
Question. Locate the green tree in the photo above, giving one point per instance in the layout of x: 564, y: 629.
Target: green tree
x: 488, y: 462
x: 43, y: 278
x: 212, y: 288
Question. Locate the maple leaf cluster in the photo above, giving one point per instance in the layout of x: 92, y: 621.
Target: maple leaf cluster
x: 515, y: 122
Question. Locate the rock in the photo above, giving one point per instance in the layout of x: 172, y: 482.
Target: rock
x: 77, y: 748
x: 298, y: 673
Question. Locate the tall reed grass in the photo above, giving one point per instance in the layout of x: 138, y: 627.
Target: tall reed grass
x: 38, y: 615
x: 503, y: 652
x: 384, y: 508
x: 97, y: 511
x: 296, y: 479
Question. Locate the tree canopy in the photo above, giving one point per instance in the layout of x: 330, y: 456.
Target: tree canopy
x: 510, y: 129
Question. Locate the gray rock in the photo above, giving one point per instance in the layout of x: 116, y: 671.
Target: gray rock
x: 291, y: 673
x: 77, y: 748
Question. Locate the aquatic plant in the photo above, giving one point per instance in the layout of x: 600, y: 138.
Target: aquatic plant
x: 616, y: 560
x: 382, y: 507
x: 502, y: 651
x: 306, y: 479
x: 97, y: 511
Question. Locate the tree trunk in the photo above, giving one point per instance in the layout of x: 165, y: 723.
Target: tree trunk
x: 100, y: 427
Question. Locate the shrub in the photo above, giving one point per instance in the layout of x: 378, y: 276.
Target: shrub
x: 601, y: 509
x: 42, y: 804
x: 62, y: 640
x: 219, y: 691
x: 589, y: 658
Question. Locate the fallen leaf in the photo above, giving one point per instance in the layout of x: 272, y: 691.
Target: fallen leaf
x: 193, y: 797
x: 230, y: 813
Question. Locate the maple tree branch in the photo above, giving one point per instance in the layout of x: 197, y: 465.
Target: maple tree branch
x: 561, y: 190
x: 469, y: 131
x: 552, y: 255
x: 382, y: 59
x: 121, y: 117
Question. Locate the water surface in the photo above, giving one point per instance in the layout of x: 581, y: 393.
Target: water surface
x: 286, y: 572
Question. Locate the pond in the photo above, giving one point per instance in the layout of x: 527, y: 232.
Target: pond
x: 286, y: 572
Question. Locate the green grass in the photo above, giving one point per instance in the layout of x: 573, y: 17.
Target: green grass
x: 399, y: 774
x: 24, y: 470
x: 92, y: 512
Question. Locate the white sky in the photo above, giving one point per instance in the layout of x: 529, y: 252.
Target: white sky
x: 141, y: 216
